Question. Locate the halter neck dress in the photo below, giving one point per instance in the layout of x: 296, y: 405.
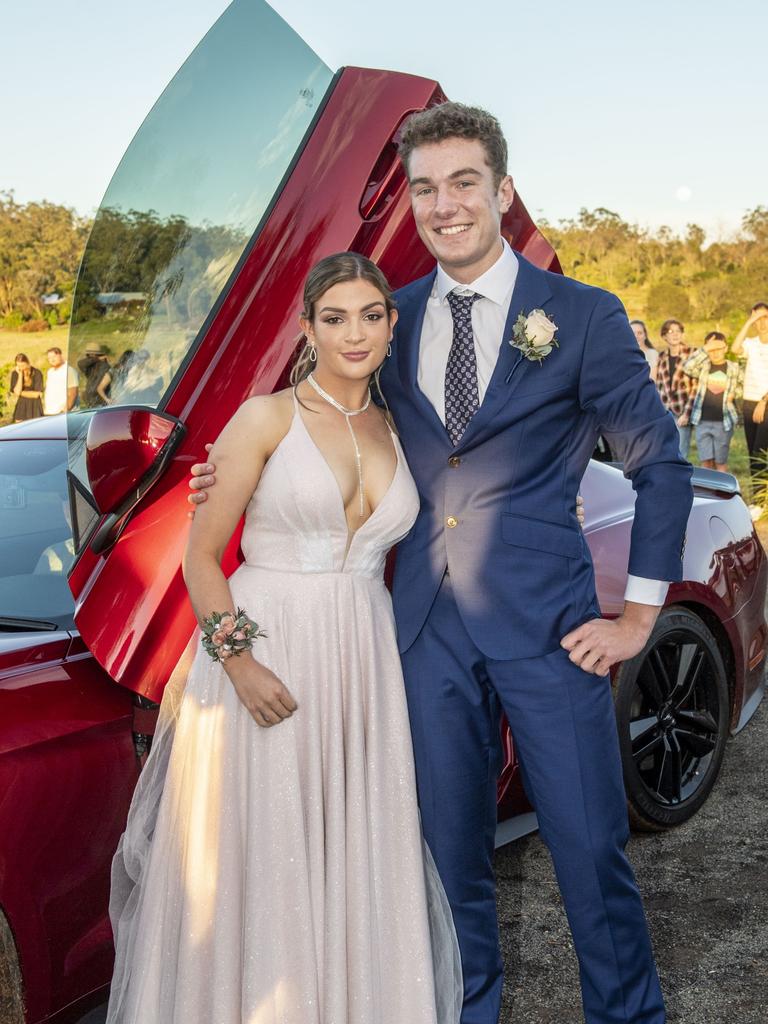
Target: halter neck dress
x: 279, y: 876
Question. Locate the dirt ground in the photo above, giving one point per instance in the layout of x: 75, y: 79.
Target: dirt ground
x: 705, y: 887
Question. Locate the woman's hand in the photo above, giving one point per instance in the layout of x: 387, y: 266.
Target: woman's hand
x: 17, y: 387
x: 260, y: 691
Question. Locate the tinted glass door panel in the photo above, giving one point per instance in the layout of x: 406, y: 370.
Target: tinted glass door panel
x: 188, y: 196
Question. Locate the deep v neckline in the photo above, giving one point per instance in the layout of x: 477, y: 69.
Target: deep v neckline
x: 351, y: 534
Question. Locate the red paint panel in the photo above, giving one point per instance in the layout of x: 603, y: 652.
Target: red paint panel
x: 122, y: 446
x: 67, y: 772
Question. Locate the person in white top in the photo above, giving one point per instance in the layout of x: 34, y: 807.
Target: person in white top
x: 60, y: 384
x: 751, y: 343
x: 651, y: 354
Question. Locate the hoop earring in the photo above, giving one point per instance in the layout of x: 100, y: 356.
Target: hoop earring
x: 312, y: 354
x: 389, y: 349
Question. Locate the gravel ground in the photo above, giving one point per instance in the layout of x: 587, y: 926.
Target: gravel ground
x: 705, y: 887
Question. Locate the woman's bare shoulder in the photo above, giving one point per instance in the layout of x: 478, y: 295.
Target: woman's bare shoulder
x: 280, y: 403
x: 263, y: 419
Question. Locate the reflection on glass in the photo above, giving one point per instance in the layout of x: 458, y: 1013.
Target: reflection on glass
x: 185, y: 200
x: 36, y: 546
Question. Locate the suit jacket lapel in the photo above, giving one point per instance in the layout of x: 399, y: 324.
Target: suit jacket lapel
x: 408, y: 341
x: 531, y: 291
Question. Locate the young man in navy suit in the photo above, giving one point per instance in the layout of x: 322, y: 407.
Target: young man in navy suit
x: 500, y: 380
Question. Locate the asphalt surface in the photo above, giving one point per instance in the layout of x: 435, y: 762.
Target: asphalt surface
x: 705, y: 887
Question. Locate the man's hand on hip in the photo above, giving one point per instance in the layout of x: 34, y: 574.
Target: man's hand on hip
x: 600, y: 643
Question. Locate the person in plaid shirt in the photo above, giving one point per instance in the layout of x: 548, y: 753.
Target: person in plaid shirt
x: 713, y: 410
x: 675, y: 387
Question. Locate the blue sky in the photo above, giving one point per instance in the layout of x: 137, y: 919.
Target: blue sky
x: 656, y: 110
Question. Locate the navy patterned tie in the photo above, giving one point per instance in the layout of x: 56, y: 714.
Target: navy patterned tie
x: 462, y: 398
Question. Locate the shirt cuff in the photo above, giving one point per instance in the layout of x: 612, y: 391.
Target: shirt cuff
x: 643, y: 591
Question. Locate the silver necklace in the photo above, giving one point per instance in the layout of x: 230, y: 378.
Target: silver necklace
x: 347, y: 414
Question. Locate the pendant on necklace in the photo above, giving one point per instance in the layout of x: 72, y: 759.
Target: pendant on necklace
x: 347, y: 414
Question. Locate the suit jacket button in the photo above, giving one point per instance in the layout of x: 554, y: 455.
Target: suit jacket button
x: 454, y: 461
x: 451, y: 521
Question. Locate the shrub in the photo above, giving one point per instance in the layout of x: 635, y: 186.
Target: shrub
x: 29, y: 326
x: 6, y: 404
x: 12, y: 321
x: 668, y: 299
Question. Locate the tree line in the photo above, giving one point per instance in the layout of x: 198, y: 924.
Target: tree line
x: 658, y: 273
x: 40, y: 248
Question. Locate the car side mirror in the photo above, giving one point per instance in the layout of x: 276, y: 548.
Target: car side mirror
x: 127, y: 450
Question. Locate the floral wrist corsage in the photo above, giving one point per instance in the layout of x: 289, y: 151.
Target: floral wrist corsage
x: 225, y: 634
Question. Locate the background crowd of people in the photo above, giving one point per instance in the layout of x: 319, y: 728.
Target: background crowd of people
x: 97, y: 381
x: 36, y: 396
x: 711, y: 389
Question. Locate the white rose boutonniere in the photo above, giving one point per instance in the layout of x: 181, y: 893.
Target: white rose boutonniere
x: 534, y: 335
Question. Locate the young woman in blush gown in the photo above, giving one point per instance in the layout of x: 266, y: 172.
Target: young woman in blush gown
x: 273, y: 869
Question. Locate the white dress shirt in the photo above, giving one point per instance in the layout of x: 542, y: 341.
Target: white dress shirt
x: 489, y: 317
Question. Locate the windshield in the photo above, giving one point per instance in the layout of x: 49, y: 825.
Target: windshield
x: 186, y: 200
x: 36, y: 548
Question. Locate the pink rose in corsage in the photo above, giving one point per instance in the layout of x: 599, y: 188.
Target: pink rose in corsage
x: 534, y: 335
x: 225, y: 634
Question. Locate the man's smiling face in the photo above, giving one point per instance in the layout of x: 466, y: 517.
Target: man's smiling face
x: 457, y: 206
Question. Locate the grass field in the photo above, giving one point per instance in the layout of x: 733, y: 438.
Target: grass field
x: 34, y: 345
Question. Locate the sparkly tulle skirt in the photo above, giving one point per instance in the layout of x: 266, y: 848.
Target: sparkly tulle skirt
x: 279, y: 876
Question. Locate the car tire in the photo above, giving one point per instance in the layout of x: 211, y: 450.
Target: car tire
x: 672, y: 711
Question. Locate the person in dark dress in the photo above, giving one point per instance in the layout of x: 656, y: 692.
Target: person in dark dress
x: 112, y: 383
x: 27, y: 386
x: 94, y: 366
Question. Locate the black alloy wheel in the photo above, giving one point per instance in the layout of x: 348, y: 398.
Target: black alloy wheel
x: 672, y: 710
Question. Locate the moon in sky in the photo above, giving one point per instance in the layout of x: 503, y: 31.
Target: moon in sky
x: 683, y: 193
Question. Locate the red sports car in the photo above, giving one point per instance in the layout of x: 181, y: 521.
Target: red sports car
x: 255, y: 162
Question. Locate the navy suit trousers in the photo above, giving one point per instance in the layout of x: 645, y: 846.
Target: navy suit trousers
x: 564, y: 730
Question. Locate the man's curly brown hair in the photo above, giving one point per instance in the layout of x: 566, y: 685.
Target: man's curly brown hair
x: 456, y: 121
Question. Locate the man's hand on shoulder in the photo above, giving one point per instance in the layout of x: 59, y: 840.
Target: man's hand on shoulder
x: 580, y: 509
x: 601, y: 643
x: 203, y: 474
